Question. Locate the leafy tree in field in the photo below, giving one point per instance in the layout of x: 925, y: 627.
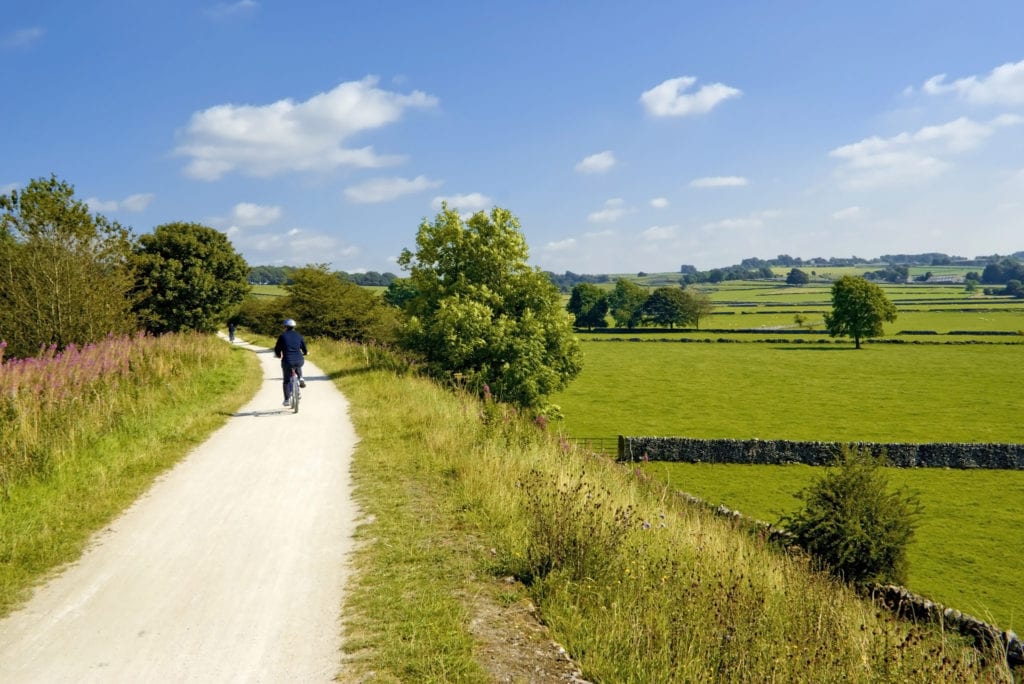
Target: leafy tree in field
x: 65, y: 274
x: 625, y: 303
x: 481, y: 312
x: 325, y: 305
x: 854, y: 525
x: 589, y: 304
x: 797, y: 277
x: 188, y: 277
x: 668, y: 306
x: 858, y: 309
x: 699, y: 305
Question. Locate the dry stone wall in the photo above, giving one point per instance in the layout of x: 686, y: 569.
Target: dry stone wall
x: 778, y: 451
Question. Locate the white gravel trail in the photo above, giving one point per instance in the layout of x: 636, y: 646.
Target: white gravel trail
x: 230, y: 568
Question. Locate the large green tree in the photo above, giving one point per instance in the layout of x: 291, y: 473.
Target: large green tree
x: 188, y: 277
x: 64, y: 273
x: 859, y: 308
x: 625, y: 303
x: 479, y: 312
x: 326, y: 305
x: 589, y: 304
x: 668, y: 306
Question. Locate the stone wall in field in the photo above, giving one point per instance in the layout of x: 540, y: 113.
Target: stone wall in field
x: 899, y: 600
x: 778, y: 451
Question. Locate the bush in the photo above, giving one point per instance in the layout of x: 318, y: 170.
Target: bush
x: 853, y: 525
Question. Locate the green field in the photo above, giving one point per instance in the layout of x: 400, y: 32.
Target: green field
x: 968, y: 547
x: 884, y: 392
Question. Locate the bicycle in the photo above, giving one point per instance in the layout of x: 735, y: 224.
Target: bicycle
x: 295, y: 392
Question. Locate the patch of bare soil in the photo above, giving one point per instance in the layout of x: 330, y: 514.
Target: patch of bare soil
x: 514, y: 646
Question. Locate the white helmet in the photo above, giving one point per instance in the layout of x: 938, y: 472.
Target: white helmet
x: 289, y: 322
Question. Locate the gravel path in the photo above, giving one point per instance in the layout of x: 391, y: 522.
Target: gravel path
x: 230, y: 569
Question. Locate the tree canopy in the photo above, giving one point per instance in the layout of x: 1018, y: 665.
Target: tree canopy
x: 589, y: 304
x: 65, y: 273
x: 625, y: 303
x: 479, y: 313
x: 188, y: 277
x: 797, y: 277
x: 326, y: 305
x: 859, y: 308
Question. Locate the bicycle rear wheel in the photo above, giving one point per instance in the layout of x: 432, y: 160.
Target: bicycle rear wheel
x: 296, y: 393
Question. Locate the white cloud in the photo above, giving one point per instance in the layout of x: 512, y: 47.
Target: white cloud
x: 659, y: 202
x: 249, y: 214
x: 293, y: 247
x: 752, y: 221
x: 613, y: 210
x: 224, y: 10
x: 910, y: 158
x: 660, y: 232
x: 668, y: 98
x: 22, y: 38
x: 1004, y: 85
x: 386, y: 189
x: 137, y: 202
x: 561, y: 245
x: 848, y: 214
x: 294, y: 136
x: 597, y: 163
x: 718, y: 182
x: 472, y: 202
x: 131, y: 203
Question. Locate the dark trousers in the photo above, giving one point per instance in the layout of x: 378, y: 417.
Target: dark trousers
x: 286, y: 370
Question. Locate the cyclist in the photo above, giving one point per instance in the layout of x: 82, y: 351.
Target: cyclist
x: 290, y: 348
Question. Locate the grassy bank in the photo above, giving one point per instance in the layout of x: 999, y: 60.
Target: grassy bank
x: 966, y: 550
x: 85, y: 433
x: 637, y: 585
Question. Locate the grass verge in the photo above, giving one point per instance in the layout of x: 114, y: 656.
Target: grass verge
x: 47, y: 519
x: 639, y: 586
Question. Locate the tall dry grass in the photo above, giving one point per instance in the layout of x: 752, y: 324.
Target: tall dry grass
x: 52, y: 404
x: 637, y: 584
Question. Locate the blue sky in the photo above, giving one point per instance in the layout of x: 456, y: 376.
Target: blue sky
x: 626, y: 136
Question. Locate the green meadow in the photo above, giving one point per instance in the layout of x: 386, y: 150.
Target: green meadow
x: 781, y: 380
x: 968, y: 546
x: 883, y: 392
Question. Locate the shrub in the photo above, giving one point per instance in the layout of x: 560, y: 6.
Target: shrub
x: 853, y: 525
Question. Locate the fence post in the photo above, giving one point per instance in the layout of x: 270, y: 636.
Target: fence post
x: 622, y: 448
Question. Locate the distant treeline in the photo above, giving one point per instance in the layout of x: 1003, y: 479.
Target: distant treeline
x: 282, y: 275
x: 997, y: 270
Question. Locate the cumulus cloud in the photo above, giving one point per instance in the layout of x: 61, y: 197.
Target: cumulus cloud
x: 718, y: 182
x: 380, y: 190
x: 660, y: 232
x: 1004, y: 85
x: 131, y: 203
x: 659, y: 202
x: 916, y: 157
x: 292, y: 246
x: 249, y: 214
x: 848, y: 214
x: 752, y: 221
x: 561, y: 245
x: 224, y: 10
x: 472, y: 202
x: 597, y: 163
x: 284, y: 136
x: 670, y: 99
x: 613, y: 210
x: 22, y: 38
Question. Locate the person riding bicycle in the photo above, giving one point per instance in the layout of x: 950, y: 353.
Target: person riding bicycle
x: 290, y: 348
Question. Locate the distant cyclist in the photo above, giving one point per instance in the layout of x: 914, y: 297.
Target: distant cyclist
x: 291, y: 349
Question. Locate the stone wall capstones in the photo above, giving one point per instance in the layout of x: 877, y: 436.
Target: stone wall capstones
x: 779, y: 451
